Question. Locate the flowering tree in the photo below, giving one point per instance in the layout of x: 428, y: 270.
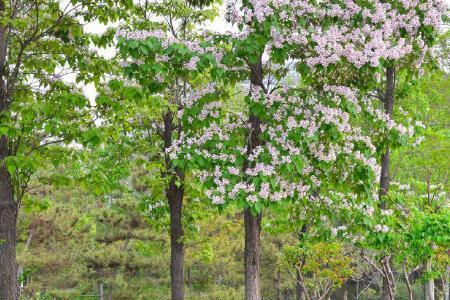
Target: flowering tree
x: 168, y: 68
x: 290, y: 141
x: 373, y: 43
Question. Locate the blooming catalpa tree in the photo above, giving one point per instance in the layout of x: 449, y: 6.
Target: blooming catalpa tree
x: 366, y: 44
x: 291, y: 141
x: 168, y: 68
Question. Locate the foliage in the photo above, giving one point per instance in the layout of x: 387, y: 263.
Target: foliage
x: 91, y: 178
x: 322, y: 266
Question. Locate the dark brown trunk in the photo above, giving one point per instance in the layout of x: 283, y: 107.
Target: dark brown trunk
x: 8, y: 206
x: 298, y: 286
x: 385, y: 290
x: 299, y: 289
x: 385, y: 163
x: 3, y: 63
x: 447, y: 284
x: 252, y: 222
x: 174, y: 195
x: 252, y: 255
x: 8, y: 219
x: 385, y: 157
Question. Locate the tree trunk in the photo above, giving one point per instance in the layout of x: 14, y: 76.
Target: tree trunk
x: 189, y: 280
x: 175, y: 197
x: 408, y: 282
x: 252, y: 255
x: 385, y: 157
x: 8, y: 219
x: 386, y: 295
x: 388, y: 288
x: 252, y: 223
x: 446, y: 284
x: 385, y: 161
x: 429, y: 286
x: 299, y: 289
x: 278, y: 285
x: 101, y: 293
x: 8, y: 207
x: 298, y: 286
x: 440, y: 289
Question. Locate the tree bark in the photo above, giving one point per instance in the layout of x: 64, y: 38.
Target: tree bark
x: 299, y: 289
x: 385, y: 162
x: 429, y: 286
x: 252, y: 255
x: 174, y: 195
x: 252, y: 223
x: 189, y: 279
x: 8, y: 207
x: 101, y: 293
x: 385, y: 157
x: 298, y: 286
x: 446, y: 285
x: 408, y: 283
x: 8, y: 219
x: 388, y: 288
x: 278, y: 285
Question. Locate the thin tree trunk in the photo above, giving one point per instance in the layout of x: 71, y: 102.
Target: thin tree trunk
x: 174, y: 195
x: 299, y: 289
x: 298, y: 286
x: 440, y: 289
x: 252, y: 252
x: 101, y: 293
x: 189, y: 279
x: 447, y: 285
x: 388, y: 288
x: 252, y: 255
x: 385, y: 163
x: 429, y: 286
x: 385, y: 157
x: 8, y: 220
x: 278, y: 285
x: 19, y: 267
x: 408, y: 283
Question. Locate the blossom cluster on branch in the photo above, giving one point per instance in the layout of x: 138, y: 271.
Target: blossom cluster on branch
x: 361, y: 32
x: 319, y: 138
